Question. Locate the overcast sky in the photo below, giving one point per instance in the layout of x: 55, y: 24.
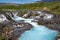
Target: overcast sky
x: 18, y: 1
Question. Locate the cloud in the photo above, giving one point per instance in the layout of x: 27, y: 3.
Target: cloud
x: 18, y: 1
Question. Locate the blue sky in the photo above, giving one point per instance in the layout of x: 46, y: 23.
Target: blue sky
x: 18, y: 1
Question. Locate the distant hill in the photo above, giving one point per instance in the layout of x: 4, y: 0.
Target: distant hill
x: 6, y: 4
x: 49, y: 1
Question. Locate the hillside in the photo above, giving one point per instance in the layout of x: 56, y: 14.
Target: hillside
x: 52, y: 6
x: 49, y: 0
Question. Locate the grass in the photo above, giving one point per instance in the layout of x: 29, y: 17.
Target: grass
x: 53, y: 6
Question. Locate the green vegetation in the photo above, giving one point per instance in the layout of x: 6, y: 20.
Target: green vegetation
x: 1, y: 37
x: 53, y: 6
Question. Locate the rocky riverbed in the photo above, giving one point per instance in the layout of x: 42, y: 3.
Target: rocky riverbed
x: 11, y: 29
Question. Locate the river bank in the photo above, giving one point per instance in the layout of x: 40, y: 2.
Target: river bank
x: 15, y: 28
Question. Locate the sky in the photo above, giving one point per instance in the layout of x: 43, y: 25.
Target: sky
x: 18, y: 1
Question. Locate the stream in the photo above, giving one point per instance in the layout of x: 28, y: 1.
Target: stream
x: 38, y: 32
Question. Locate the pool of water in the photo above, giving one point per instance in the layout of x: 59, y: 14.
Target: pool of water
x: 39, y: 33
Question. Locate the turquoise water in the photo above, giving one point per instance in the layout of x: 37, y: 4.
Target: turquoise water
x: 38, y: 32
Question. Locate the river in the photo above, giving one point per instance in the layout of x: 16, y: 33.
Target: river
x: 38, y: 32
